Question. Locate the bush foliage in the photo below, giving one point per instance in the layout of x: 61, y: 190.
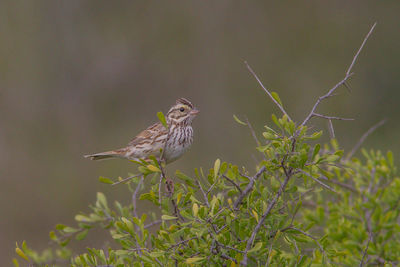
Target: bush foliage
x: 305, y: 205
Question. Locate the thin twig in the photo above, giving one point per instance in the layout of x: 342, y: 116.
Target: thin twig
x: 359, y: 50
x: 126, y: 179
x: 331, y: 117
x: 181, y: 242
x: 204, y: 193
x: 318, y: 181
x: 152, y: 224
x: 365, y: 250
x: 253, y: 133
x: 364, y: 137
x: 336, y: 182
x: 266, y: 90
x: 248, y: 188
x: 342, y: 82
x: 232, y: 182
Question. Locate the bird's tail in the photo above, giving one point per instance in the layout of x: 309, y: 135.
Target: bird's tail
x: 105, y: 155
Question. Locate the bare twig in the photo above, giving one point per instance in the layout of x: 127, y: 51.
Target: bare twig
x: 204, y: 193
x: 232, y: 182
x: 336, y: 182
x: 342, y: 82
x: 359, y: 50
x: 127, y: 179
x: 266, y: 90
x: 318, y: 181
x: 253, y: 133
x: 152, y: 224
x: 331, y: 117
x: 248, y: 188
x: 181, y: 243
x: 364, y: 137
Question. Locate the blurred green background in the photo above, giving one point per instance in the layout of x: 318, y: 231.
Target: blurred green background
x: 78, y: 77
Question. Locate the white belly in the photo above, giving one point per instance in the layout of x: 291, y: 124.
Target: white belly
x: 179, y: 141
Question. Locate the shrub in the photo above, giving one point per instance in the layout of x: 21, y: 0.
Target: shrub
x: 305, y: 204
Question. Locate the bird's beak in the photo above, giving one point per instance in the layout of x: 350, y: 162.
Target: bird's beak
x: 194, y: 112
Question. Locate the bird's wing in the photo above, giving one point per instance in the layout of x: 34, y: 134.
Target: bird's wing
x: 150, y: 134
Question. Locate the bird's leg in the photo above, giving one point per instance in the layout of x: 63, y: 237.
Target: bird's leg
x: 169, y: 186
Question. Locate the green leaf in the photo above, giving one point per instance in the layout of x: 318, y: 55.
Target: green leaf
x: 239, y: 121
x: 389, y: 156
x: 101, y: 198
x: 162, y: 119
x: 156, y: 254
x: 195, y: 209
x: 21, y: 253
x: 194, y: 260
x: 275, y: 120
x: 81, y: 218
x: 105, y: 180
x: 82, y: 235
x: 60, y: 227
x: 16, y: 263
x: 317, y: 147
x: 256, y: 247
x: 168, y: 217
x: 217, y: 164
x: 52, y: 236
x: 184, y: 177
x: 153, y: 168
x: 314, y: 136
x: 70, y: 230
x: 276, y: 97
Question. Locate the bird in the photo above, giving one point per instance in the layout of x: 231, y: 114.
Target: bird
x: 165, y: 143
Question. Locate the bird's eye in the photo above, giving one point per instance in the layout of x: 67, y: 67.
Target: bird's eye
x: 182, y: 109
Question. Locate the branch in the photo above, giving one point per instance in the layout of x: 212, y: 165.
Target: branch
x: 331, y: 118
x: 204, y: 193
x: 342, y: 82
x: 266, y: 90
x: 152, y: 224
x: 318, y: 181
x: 248, y: 188
x: 365, y: 250
x: 232, y: 182
x: 265, y: 215
x: 364, y: 137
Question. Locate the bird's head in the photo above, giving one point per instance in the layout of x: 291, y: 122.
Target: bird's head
x: 183, y: 112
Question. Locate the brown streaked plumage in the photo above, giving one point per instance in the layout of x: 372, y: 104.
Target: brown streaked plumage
x: 175, y: 140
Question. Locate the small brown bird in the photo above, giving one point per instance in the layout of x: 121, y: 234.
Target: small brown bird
x: 175, y: 140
